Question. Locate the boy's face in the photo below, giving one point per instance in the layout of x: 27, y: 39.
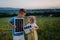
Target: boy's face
x: 22, y: 14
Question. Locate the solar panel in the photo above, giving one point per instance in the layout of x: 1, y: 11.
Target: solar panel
x: 19, y: 24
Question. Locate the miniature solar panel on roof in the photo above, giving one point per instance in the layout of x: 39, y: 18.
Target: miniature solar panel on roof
x: 19, y: 25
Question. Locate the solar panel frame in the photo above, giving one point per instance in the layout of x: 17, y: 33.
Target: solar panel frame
x: 16, y: 26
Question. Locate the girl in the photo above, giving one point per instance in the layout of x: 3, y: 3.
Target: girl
x: 33, y: 32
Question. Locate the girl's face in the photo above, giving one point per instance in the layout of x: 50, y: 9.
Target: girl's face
x: 30, y: 20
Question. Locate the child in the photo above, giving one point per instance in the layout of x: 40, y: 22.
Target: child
x: 17, y: 36
x: 33, y: 34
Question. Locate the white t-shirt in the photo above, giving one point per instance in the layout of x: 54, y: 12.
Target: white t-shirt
x: 32, y: 26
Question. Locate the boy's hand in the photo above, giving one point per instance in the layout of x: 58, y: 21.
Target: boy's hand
x: 14, y: 26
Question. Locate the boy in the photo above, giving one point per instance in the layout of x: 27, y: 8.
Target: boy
x: 18, y: 36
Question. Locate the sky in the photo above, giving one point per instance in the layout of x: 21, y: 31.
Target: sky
x: 30, y: 3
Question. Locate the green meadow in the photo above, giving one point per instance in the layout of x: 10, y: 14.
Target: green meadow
x: 49, y: 28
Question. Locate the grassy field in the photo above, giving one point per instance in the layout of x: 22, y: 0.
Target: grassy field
x: 49, y: 28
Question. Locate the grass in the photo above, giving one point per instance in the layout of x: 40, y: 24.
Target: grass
x: 49, y: 28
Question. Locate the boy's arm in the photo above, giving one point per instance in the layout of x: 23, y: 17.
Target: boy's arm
x: 12, y: 25
x: 11, y: 22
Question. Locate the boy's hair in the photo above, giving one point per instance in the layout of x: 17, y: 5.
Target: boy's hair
x: 33, y: 18
x: 22, y: 10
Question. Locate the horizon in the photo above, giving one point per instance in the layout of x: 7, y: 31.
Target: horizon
x: 26, y: 8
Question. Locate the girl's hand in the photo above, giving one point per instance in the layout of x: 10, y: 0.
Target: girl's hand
x: 33, y: 28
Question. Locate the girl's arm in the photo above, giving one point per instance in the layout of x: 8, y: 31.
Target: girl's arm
x: 36, y: 28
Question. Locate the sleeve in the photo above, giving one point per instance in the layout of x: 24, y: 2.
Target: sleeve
x: 25, y: 26
x: 35, y: 25
x: 11, y: 20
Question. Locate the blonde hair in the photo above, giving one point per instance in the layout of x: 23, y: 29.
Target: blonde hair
x: 33, y: 18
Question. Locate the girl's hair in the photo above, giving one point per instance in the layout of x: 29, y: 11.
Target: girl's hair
x: 32, y: 18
